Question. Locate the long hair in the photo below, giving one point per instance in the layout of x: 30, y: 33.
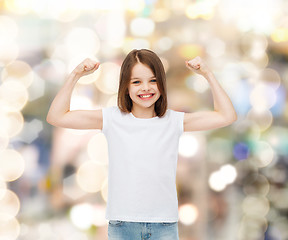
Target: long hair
x: 151, y: 60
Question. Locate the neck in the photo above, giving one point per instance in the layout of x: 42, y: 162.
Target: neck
x: 141, y: 113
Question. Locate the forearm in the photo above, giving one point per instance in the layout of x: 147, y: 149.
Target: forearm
x: 61, y: 103
x: 222, y: 102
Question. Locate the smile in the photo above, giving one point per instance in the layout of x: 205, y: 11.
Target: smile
x: 146, y: 96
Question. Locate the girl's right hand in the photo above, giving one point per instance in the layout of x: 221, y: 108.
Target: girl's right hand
x: 86, y: 67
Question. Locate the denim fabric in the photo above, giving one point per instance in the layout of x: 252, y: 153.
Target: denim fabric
x: 122, y: 230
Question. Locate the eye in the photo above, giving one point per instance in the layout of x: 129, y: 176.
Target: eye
x: 154, y: 80
x: 136, y: 82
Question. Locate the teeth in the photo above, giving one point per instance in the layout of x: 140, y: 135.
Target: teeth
x: 145, y: 96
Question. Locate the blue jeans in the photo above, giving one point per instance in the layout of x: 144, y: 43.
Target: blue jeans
x: 121, y: 230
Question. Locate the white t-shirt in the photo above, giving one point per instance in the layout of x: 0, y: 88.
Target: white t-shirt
x: 143, y: 157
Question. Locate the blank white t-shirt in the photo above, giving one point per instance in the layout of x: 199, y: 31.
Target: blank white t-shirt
x: 143, y: 157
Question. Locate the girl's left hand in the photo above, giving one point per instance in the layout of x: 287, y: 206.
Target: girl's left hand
x: 197, y: 65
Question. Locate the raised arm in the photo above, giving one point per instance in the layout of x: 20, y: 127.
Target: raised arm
x: 59, y: 113
x: 224, y: 113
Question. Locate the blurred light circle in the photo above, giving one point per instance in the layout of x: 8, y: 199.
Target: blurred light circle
x: 68, y: 15
x: 38, y: 7
x: 263, y: 118
x: 9, y: 52
x: 219, y: 150
x: 82, y: 42
x: 188, y: 145
x: 270, y: 77
x: 18, y: 71
x: 45, y: 231
x: 263, y: 154
x: 197, y: 83
x: 142, y: 27
x: 285, y: 114
x: 134, y: 5
x: 71, y: 188
x: 91, y: 175
x: 3, y: 187
x: 104, y: 190
x: 79, y: 102
x: 257, y: 47
x: 52, y: 70
x: 161, y: 14
x: 253, y: 131
x: 241, y: 151
x: 11, y: 124
x: 82, y: 216
x: 229, y: 172
x: 11, y: 164
x: 262, y: 61
x: 262, y: 97
x: 8, y: 28
x: 99, y: 219
x: 190, y: 51
x: 14, y: 95
x: 255, y: 205
x: 9, y: 205
x: 203, y: 9
x: 17, y: 6
x: 9, y: 228
x: 165, y: 43
x: 252, y: 227
x: 280, y: 35
x: 165, y: 64
x: 4, y: 139
x: 277, y: 137
x: 135, y: 43
x: 37, y: 88
x: 109, y: 79
x: 217, y: 181
x: 112, y: 29
x: 256, y: 184
x: 277, y: 196
x: 98, y: 148
x: 278, y: 176
x: 188, y: 214
x: 216, y: 48
x: 112, y: 101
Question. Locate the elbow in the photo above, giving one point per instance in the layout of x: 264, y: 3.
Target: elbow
x: 231, y: 119
x: 51, y: 120
x: 235, y: 117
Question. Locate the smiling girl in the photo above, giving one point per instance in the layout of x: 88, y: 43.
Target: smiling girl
x: 143, y: 137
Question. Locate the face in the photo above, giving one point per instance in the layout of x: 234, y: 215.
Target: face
x: 143, y: 89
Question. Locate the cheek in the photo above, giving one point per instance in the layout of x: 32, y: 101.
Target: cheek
x: 131, y: 91
x: 157, y: 89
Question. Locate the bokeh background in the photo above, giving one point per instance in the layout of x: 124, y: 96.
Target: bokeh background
x: 231, y: 182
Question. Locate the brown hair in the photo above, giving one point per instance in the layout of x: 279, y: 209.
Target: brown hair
x: 151, y: 60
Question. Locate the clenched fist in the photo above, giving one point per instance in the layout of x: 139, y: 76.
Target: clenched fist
x: 197, y: 65
x: 86, y: 67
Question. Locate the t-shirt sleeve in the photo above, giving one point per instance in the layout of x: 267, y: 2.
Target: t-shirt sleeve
x: 106, y: 113
x: 179, y: 121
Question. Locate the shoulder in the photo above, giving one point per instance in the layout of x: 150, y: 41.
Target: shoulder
x: 174, y: 116
x: 113, y: 111
x: 110, y: 109
x: 171, y: 112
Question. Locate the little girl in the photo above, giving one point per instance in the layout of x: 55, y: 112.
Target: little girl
x: 143, y: 137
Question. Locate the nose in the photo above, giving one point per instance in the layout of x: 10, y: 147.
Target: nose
x: 145, y: 86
